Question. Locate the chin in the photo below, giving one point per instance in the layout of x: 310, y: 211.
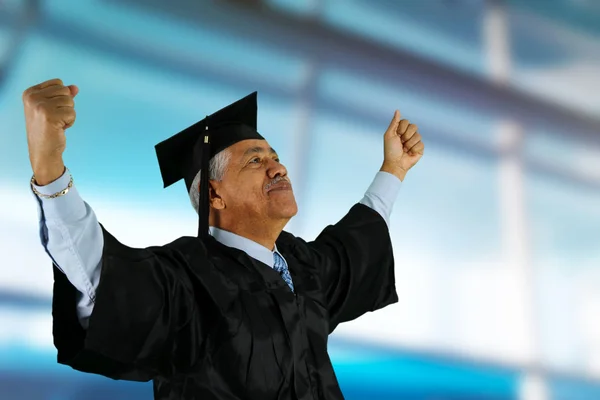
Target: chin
x: 292, y: 212
x: 286, y: 209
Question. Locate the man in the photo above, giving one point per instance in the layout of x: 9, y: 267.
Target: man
x: 244, y: 310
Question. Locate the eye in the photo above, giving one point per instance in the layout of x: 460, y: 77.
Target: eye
x: 255, y: 160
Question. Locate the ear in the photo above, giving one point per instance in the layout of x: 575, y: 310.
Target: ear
x: 214, y: 198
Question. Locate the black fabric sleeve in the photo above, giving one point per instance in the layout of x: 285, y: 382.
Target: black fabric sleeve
x: 145, y: 321
x: 356, y: 265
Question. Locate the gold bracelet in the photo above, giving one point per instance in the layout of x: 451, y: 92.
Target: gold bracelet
x: 52, y: 196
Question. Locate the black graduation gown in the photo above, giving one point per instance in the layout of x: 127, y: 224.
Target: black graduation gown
x: 206, y: 321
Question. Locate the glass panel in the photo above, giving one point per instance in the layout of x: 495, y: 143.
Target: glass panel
x: 182, y: 42
x: 441, y: 31
x: 6, y: 43
x: 28, y: 367
x: 24, y: 329
x: 304, y: 7
x: 565, y: 225
x: 12, y: 6
x: 555, y: 61
x: 366, y: 372
x: 573, y: 389
x: 565, y: 153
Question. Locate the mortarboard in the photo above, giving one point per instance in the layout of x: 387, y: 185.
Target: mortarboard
x: 182, y: 155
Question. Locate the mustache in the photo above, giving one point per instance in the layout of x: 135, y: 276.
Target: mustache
x: 276, y: 181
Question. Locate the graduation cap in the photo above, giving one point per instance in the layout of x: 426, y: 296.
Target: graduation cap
x: 189, y: 151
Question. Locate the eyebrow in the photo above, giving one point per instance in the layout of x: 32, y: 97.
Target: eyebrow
x: 258, y: 149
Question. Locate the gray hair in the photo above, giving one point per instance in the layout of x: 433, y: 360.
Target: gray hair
x: 216, y: 170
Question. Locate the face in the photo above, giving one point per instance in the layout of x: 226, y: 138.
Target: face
x: 255, y: 184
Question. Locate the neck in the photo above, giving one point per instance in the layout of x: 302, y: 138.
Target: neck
x: 264, y: 233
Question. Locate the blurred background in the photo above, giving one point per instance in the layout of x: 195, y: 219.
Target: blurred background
x: 496, y: 231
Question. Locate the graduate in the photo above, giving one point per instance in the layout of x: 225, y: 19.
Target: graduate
x: 243, y: 310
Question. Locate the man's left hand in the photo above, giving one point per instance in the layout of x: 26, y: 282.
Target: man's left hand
x: 402, y: 147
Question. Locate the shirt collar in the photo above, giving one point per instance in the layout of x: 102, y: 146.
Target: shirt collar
x: 253, y: 249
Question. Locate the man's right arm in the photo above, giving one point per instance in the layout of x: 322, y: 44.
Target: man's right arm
x: 147, y: 300
x: 72, y: 237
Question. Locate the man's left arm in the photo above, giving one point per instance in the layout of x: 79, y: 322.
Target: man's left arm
x: 354, y: 256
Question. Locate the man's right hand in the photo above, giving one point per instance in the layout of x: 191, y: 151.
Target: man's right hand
x: 49, y: 111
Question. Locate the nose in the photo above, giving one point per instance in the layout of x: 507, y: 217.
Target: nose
x: 275, y: 169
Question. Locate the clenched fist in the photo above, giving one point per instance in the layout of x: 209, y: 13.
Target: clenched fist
x: 402, y: 147
x: 49, y: 111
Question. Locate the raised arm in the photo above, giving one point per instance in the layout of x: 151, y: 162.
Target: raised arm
x: 138, y: 306
x: 69, y: 230
x: 355, y: 256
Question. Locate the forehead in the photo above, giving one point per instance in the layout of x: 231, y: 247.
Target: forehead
x: 250, y: 145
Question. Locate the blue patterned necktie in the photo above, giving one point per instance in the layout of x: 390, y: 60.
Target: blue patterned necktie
x: 281, y: 267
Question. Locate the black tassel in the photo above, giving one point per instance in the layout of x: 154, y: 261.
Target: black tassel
x: 203, y: 209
